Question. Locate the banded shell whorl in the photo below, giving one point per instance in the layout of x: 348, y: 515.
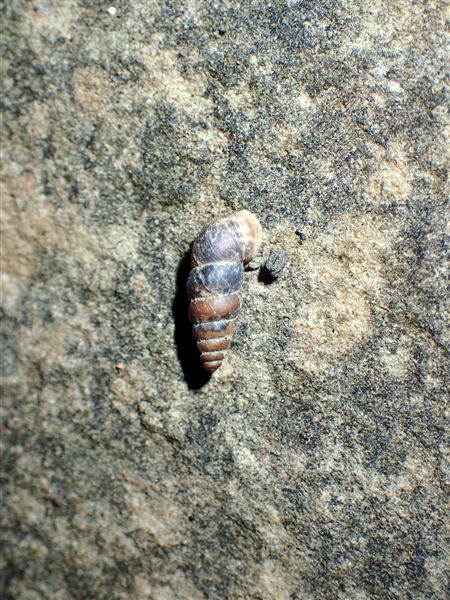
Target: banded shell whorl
x: 218, y: 256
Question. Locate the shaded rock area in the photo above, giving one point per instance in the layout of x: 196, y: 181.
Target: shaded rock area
x: 311, y: 465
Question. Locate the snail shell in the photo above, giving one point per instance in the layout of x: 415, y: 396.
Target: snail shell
x: 218, y: 257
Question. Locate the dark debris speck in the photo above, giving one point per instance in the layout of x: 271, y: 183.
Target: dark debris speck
x: 273, y: 266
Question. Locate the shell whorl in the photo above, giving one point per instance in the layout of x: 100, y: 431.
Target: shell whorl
x: 218, y: 256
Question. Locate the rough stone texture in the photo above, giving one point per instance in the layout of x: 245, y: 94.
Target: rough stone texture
x: 311, y: 465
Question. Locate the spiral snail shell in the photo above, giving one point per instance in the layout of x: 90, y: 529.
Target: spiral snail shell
x: 218, y: 257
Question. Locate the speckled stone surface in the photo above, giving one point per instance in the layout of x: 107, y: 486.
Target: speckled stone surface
x: 311, y: 465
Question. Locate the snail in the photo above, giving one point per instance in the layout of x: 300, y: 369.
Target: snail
x: 218, y: 257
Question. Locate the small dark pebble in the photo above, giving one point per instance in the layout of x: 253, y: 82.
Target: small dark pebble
x: 301, y: 236
x: 252, y: 265
x: 273, y: 267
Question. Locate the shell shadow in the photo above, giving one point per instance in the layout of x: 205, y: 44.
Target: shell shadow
x: 194, y: 374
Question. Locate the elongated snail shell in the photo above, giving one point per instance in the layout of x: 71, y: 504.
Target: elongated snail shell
x: 218, y: 257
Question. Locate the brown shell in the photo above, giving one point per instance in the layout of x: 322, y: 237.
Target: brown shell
x: 218, y: 256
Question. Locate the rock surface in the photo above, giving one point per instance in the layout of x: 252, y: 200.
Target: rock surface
x: 311, y: 465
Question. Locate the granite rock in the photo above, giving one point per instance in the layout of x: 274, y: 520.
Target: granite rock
x: 311, y: 465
